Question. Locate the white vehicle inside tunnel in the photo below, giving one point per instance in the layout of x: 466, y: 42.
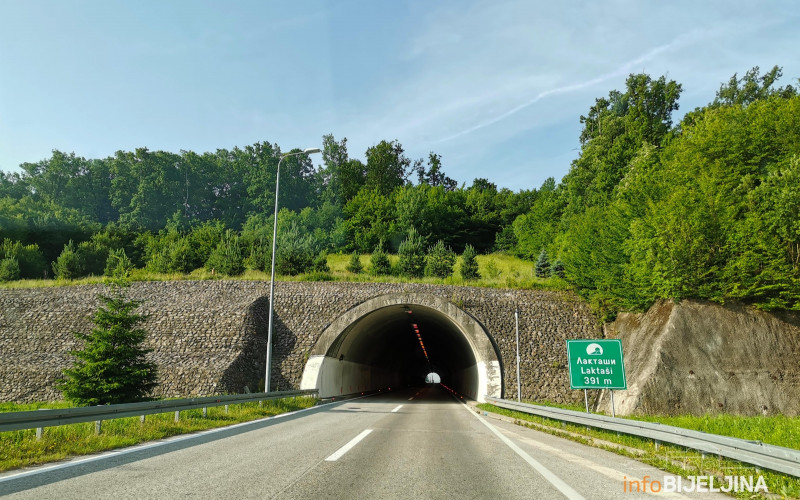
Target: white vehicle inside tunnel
x: 391, y: 341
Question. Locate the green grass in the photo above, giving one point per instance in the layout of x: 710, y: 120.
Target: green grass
x: 497, y: 271
x: 778, y: 430
x: 21, y: 448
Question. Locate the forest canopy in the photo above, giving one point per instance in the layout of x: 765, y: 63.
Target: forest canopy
x: 706, y: 208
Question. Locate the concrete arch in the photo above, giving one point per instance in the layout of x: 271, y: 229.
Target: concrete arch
x: 374, y: 345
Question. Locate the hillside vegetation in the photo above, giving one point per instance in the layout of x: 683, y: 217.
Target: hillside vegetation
x: 705, y: 208
x: 496, y: 271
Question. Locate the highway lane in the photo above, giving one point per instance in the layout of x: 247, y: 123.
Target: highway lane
x: 405, y: 444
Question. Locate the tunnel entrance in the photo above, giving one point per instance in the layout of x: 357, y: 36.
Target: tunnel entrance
x: 397, y: 340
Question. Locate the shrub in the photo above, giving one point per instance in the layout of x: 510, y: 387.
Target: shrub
x: 170, y: 253
x: 542, y: 269
x: 379, y: 262
x: 118, y: 264
x: 182, y: 258
x: 226, y: 258
x: 68, y: 264
x: 505, y: 240
x: 412, y: 255
x: 92, y: 258
x: 9, y: 269
x: 30, y: 259
x: 295, y: 251
x: 160, y: 261
x: 320, y: 263
x: 469, y: 264
x: 491, y: 270
x: 204, y: 239
x: 259, y: 255
x: 440, y: 261
x: 354, y: 266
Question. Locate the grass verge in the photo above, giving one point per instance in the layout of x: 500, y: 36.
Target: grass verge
x: 672, y: 459
x: 778, y: 430
x: 21, y: 448
x: 497, y: 271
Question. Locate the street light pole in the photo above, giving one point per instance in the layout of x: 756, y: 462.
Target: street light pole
x: 519, y: 387
x: 307, y: 151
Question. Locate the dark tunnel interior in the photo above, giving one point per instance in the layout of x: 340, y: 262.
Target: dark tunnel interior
x: 409, y: 341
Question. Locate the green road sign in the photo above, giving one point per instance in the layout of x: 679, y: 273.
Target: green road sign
x: 596, y: 364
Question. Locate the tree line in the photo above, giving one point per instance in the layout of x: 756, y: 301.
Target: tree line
x: 705, y: 208
x: 66, y: 216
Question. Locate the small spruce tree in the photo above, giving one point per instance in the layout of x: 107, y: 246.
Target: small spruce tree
x: 9, y: 269
x: 68, y: 264
x: 181, y: 256
x: 469, y: 264
x: 354, y: 266
x: 542, y: 265
x: 320, y: 264
x: 379, y: 261
x: 412, y: 255
x: 440, y: 261
x: 111, y: 368
x: 557, y: 269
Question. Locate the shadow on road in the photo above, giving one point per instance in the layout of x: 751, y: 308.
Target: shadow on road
x: 79, y: 466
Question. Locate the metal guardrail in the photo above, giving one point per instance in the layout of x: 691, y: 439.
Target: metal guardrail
x: 776, y: 458
x: 37, y: 419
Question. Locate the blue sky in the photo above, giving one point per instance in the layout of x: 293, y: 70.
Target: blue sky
x: 496, y: 87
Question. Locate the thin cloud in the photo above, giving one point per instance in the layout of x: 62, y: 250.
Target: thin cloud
x: 680, y: 42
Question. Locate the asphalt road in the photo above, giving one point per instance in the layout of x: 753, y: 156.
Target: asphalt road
x: 418, y: 443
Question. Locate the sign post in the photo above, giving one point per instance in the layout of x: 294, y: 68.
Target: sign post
x: 596, y: 364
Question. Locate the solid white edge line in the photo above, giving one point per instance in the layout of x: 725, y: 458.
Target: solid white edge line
x: 397, y: 408
x: 556, y: 481
x: 344, y: 449
x: 139, y: 447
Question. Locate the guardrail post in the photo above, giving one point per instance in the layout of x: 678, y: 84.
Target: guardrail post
x: 205, y: 412
x: 39, y: 431
x: 226, y: 409
x: 177, y: 416
x: 141, y: 419
x: 97, y: 426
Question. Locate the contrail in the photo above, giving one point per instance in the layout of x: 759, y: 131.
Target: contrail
x: 681, y: 41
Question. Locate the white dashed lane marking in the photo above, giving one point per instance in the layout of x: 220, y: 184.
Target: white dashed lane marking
x: 344, y: 449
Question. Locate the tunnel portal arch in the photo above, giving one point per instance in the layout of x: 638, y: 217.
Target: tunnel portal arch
x: 374, y: 345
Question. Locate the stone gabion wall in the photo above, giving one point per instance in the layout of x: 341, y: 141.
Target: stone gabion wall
x: 209, y: 337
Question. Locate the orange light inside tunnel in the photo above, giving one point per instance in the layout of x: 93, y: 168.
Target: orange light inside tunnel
x: 415, y: 329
